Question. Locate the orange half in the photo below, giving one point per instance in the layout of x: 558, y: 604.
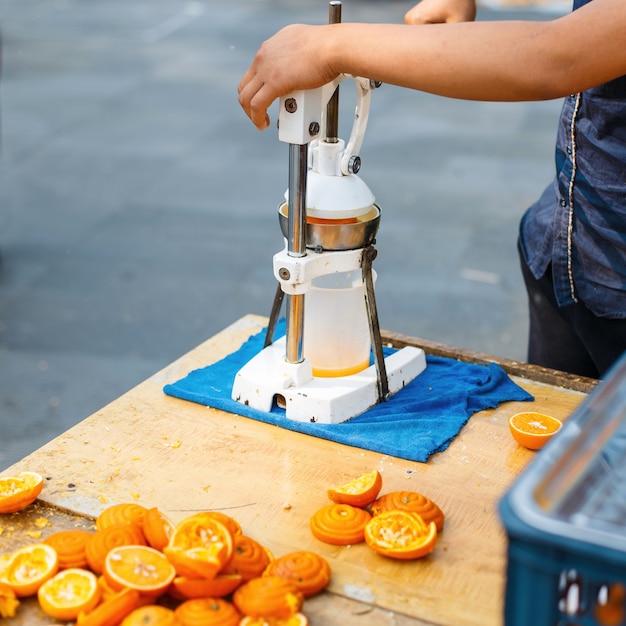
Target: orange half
x: 401, y: 535
x: 533, y: 430
x: 138, y: 567
x: 68, y: 593
x: 29, y: 567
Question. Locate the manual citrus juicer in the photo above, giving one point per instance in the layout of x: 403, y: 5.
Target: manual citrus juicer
x: 320, y: 371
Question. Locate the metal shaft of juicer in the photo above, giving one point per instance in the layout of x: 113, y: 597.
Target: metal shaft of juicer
x: 296, y: 224
x: 332, y: 108
x: 296, y: 246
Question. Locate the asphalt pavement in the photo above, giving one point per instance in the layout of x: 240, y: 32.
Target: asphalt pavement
x: 138, y: 203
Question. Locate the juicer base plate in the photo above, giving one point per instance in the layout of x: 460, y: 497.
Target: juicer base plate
x: 268, y: 378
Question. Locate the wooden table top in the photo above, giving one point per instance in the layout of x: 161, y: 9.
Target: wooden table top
x: 156, y: 450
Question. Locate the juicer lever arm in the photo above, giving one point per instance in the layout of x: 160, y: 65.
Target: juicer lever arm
x: 364, y: 88
x: 301, y: 116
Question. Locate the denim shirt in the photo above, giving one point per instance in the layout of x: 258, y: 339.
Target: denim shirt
x: 579, y: 222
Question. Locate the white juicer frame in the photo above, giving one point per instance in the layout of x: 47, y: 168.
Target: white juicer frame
x: 270, y: 376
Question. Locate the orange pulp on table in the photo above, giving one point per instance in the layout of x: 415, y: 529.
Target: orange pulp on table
x: 17, y: 492
x: 400, y: 535
x: 29, y: 567
x: 138, y: 567
x: 533, y: 430
x: 359, y: 492
x: 68, y: 593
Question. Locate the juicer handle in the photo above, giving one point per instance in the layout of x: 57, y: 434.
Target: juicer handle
x: 301, y: 112
x: 301, y: 116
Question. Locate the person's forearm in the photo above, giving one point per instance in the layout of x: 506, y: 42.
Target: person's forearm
x: 498, y: 61
x: 502, y: 61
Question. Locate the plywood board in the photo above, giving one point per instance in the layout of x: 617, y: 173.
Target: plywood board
x: 182, y: 457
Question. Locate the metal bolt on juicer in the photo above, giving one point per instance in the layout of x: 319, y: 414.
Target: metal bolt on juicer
x: 329, y: 222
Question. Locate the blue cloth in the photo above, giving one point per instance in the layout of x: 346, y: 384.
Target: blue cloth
x: 418, y: 421
x: 578, y: 225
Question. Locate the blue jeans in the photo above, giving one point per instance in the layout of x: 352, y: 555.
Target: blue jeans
x: 571, y: 338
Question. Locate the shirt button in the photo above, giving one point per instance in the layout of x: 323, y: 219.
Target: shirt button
x: 563, y: 202
x: 569, y: 149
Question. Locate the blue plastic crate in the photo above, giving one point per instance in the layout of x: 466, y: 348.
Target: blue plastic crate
x: 565, y: 518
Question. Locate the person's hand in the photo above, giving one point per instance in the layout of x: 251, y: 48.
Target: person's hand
x: 292, y: 59
x: 441, y: 11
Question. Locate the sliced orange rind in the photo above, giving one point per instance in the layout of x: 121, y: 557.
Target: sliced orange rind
x: 157, y: 528
x: 19, y: 491
x: 121, y: 513
x: 268, y: 596
x: 249, y: 558
x: 103, y: 541
x: 339, y: 524
x: 207, y: 612
x: 111, y: 611
x: 308, y: 571
x: 70, y: 547
x: 359, y: 492
x: 200, y: 546
x: 185, y: 588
